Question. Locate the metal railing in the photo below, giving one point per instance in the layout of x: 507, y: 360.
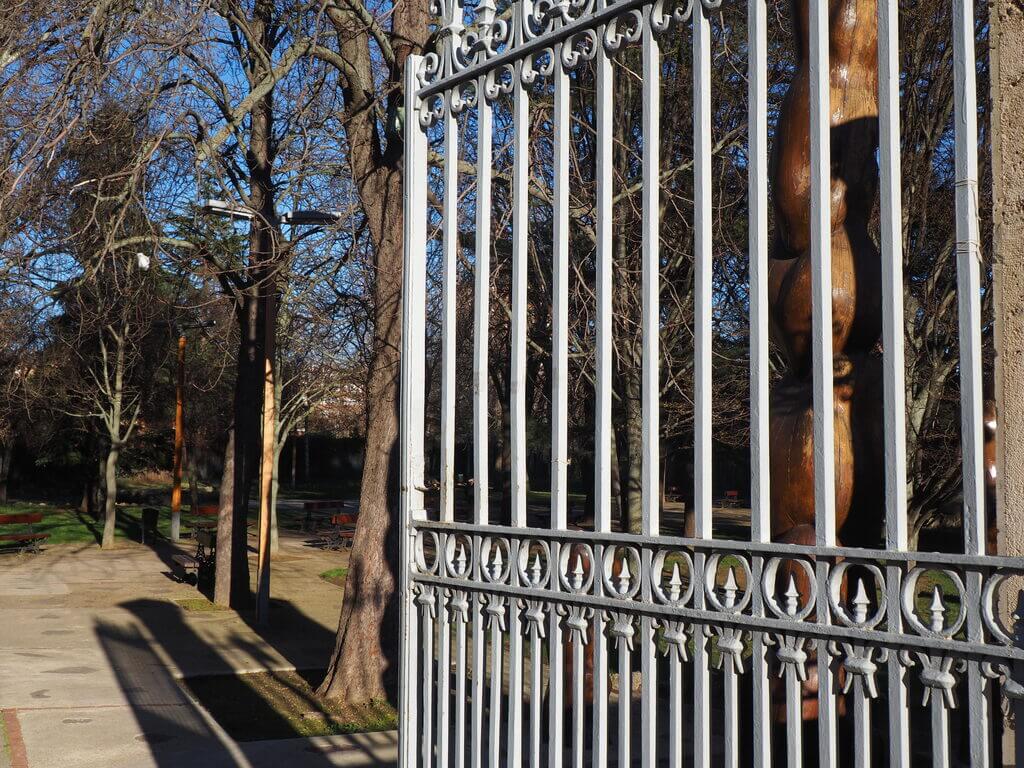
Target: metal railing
x: 502, y: 625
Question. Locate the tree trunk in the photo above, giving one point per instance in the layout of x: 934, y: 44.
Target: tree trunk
x: 275, y: 483
x: 225, y: 521
x: 634, y: 453
x: 6, y: 452
x: 364, y: 664
x: 193, y: 480
x: 110, y: 511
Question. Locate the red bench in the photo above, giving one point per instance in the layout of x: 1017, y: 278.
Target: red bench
x: 341, y: 532
x: 323, y: 509
x: 26, y: 540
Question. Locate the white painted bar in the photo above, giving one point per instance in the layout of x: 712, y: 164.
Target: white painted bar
x: 623, y: 645
x: 427, y: 677
x: 675, y: 710
x: 702, y: 309
x: 894, y: 387
x: 968, y: 261
x: 460, y: 676
x: 411, y: 421
x: 481, y: 344
x: 821, y: 258
x: 496, y: 610
x: 520, y: 256
x: 559, y: 392
x: 760, y: 495
x: 444, y: 671
x: 536, y: 695
x: 650, y: 388
x: 450, y: 245
x: 603, y: 434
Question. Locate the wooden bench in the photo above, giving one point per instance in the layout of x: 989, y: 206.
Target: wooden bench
x: 26, y: 540
x: 341, y: 532
x: 323, y: 509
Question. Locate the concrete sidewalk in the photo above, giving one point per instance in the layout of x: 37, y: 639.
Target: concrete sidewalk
x: 91, y: 646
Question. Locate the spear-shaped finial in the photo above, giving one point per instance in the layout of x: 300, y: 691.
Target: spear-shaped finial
x: 792, y: 597
x: 730, y: 588
x: 860, y: 603
x: 675, y: 584
x: 535, y: 570
x: 625, y: 577
x: 937, y: 610
x: 577, y: 573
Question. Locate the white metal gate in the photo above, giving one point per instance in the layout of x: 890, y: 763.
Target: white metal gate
x: 499, y: 621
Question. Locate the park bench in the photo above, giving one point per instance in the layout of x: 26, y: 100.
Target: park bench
x: 209, y: 514
x: 201, y: 564
x: 318, y: 511
x: 732, y: 499
x: 341, y: 532
x: 24, y: 540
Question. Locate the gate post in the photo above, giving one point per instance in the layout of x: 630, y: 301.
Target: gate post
x: 1007, y: 131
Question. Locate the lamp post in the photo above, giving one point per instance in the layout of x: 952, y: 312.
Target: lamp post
x: 269, y: 420
x: 179, y: 429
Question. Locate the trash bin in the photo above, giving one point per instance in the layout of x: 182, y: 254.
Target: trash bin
x: 150, y: 516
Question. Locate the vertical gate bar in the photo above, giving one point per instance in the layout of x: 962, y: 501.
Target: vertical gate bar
x: 625, y: 702
x: 861, y: 726
x: 651, y: 424
x: 731, y: 701
x: 476, y: 711
x: 559, y: 391
x: 824, y: 445
x: 603, y: 434
x: 427, y: 685
x: 968, y: 258
x: 481, y: 308
x: 460, y: 684
x: 444, y: 671
x: 411, y: 423
x: 450, y: 244
x: 702, y: 367
x: 450, y: 238
x: 760, y: 498
x: 892, y: 360
x: 577, y: 700
x: 520, y: 232
x: 481, y: 343
x: 794, y: 719
x: 536, y: 691
x: 494, y: 742
x: 940, y: 732
x: 675, y: 710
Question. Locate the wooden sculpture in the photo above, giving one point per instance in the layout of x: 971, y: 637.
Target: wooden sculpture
x: 856, y: 293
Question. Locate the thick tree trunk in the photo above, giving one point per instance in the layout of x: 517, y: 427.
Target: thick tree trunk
x: 225, y: 521
x: 365, y: 661
x: 634, y: 454
x: 110, y: 511
x: 193, y: 480
x: 6, y: 452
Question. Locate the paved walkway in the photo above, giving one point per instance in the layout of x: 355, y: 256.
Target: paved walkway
x: 91, y: 647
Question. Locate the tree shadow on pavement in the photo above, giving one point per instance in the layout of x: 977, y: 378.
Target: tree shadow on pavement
x: 176, y: 728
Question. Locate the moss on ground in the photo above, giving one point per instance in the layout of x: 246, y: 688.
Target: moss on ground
x: 282, y: 705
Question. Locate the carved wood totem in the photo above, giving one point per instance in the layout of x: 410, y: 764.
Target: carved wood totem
x: 856, y: 294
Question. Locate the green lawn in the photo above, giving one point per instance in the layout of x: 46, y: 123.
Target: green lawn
x: 69, y: 526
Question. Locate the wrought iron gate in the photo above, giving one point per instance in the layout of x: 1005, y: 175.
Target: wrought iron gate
x: 501, y: 623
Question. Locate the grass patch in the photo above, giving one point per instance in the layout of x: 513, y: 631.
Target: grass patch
x: 70, y: 526
x: 199, y: 605
x: 283, y: 705
x: 335, y: 576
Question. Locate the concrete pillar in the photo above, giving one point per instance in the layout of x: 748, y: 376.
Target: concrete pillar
x: 1007, y: 75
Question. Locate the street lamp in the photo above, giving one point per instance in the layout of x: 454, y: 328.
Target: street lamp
x: 231, y: 210
x: 179, y: 427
